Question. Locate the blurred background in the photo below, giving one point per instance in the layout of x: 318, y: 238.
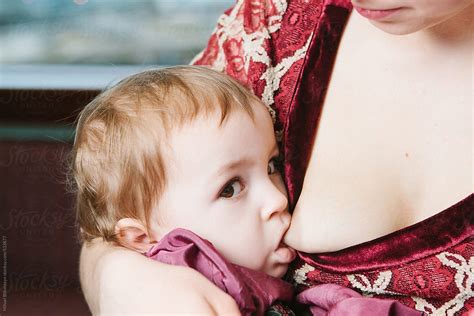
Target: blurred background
x: 56, y: 56
x: 105, y: 32
x: 41, y: 41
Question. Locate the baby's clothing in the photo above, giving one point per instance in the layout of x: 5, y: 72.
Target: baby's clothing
x: 253, y: 291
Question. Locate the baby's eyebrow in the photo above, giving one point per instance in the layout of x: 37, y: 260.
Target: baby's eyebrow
x: 232, y: 165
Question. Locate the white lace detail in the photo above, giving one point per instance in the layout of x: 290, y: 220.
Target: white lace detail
x: 273, y: 74
x: 253, y: 43
x: 361, y: 282
x: 230, y: 26
x: 464, y: 281
x: 299, y: 276
x: 254, y: 48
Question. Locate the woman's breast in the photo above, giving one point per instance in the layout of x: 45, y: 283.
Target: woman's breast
x: 393, y: 145
x: 382, y: 161
x: 369, y: 177
x: 352, y: 190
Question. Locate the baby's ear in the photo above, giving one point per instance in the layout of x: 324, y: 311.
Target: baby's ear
x: 133, y: 235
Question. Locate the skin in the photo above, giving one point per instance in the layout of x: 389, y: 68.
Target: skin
x: 223, y: 185
x: 401, y: 152
x: 157, y: 285
x: 419, y: 169
x: 413, y: 15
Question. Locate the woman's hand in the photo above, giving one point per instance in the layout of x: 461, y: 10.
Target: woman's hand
x: 119, y: 281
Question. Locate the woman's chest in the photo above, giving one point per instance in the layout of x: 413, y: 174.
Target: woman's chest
x: 413, y: 149
x: 393, y: 146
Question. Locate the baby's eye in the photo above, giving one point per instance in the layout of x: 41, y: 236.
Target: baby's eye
x: 273, y: 166
x: 232, y: 189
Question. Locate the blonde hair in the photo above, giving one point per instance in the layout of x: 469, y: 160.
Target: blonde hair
x: 117, y: 160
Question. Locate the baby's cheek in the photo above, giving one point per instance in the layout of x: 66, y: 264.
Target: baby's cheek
x: 249, y: 255
x: 258, y: 258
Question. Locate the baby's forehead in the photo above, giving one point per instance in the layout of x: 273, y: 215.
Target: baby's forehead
x: 227, y: 138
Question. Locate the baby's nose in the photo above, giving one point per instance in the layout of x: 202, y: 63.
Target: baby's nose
x: 276, y: 205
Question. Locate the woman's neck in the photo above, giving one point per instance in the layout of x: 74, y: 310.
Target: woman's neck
x: 456, y: 32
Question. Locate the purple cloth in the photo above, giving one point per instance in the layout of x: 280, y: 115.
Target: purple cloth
x: 255, y: 291
x: 332, y: 300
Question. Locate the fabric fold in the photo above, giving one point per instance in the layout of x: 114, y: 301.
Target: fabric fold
x: 253, y: 291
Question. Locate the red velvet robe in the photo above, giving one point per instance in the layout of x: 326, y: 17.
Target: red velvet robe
x: 284, y: 51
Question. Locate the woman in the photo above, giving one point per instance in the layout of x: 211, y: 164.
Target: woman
x: 387, y: 176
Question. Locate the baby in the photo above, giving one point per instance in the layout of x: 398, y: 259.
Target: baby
x: 183, y: 147
x: 181, y: 164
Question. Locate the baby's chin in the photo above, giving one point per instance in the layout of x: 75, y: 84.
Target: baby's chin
x: 277, y: 271
x: 279, y: 261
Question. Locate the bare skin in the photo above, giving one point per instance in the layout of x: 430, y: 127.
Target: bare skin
x: 109, y: 270
x: 384, y: 160
x: 394, y: 146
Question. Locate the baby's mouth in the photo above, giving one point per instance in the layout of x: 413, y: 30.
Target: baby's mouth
x: 284, y: 253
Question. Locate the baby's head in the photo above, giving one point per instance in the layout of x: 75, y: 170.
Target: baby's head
x: 183, y: 147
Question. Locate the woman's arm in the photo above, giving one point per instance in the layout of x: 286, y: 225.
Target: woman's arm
x: 117, y: 280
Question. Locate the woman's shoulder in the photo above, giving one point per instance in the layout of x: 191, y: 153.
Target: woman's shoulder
x: 253, y: 36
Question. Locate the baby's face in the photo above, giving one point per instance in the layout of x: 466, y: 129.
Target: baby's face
x: 222, y: 184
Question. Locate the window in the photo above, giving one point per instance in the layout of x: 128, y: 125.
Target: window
x: 106, y: 32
